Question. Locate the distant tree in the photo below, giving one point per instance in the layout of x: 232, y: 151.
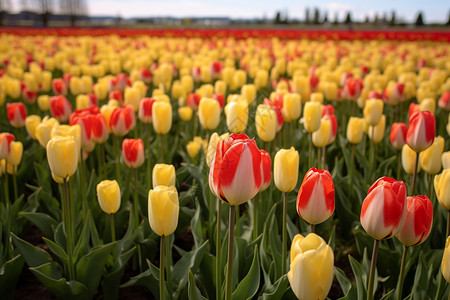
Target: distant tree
x: 44, y: 7
x: 5, y: 6
x: 73, y: 8
x: 393, y: 19
x: 336, y: 19
x: 375, y: 19
x: 316, y: 16
x: 348, y: 18
x: 448, y: 21
x: 366, y: 19
x: 325, y: 18
x: 277, y: 18
x: 419, y: 20
x: 307, y: 16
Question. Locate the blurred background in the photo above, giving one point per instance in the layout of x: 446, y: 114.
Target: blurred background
x: 232, y: 13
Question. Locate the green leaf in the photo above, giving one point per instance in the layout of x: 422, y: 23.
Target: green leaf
x: 82, y: 246
x: 34, y: 256
x: 9, y: 274
x: 277, y: 290
x: 111, y: 281
x: 90, y: 266
x: 196, y: 225
x: 43, y: 221
x: 57, y: 250
x: 344, y: 282
x: 193, y: 292
x: 248, y: 286
x: 358, y: 272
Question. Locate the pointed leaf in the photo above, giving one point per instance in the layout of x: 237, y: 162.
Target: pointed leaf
x: 248, y: 287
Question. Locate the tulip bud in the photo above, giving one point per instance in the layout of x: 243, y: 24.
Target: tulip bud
x: 121, y: 121
x: 312, y: 116
x: 285, y: 169
x: 163, y: 210
x: 398, y: 135
x: 163, y: 174
x: 266, y: 170
x: 99, y: 128
x: 193, y: 100
x: 162, y: 117
x: 100, y: 90
x: 43, y: 102
x: 316, y: 97
x: 445, y: 267
x: 430, y: 158
x: 315, y: 199
x: 266, y: 123
x: 418, y: 221
x: 321, y: 136
x: 331, y: 91
x: 428, y: 104
x: 442, y: 188
x: 192, y: 148
x: 236, y: 116
x: 133, y: 152
x: 16, y: 113
x: 59, y: 87
x: 108, y: 195
x: 248, y: 91
x: 311, y: 270
x: 355, y: 130
x: 408, y: 159
x: 209, y: 113
x: 446, y: 160
x: 292, y: 107
x: 62, y: 156
x: 31, y: 122
x: 60, y: 108
x: 376, y: 133
x: 382, y: 212
x: 132, y: 97
x: 185, y: 113
x: 5, y: 144
x: 44, y: 130
x: 421, y: 131
x: 235, y: 173
x: 444, y: 101
x: 220, y: 87
x: 373, y: 110
x: 82, y: 102
x: 212, y: 146
x: 145, y: 110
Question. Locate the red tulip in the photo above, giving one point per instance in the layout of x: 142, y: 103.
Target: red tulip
x: 235, y: 173
x: 116, y: 95
x: 92, y: 100
x: 60, y: 108
x: 220, y: 99
x: 100, y: 131
x: 374, y: 95
x: 5, y: 139
x: 16, y: 113
x: 215, y: 69
x: 278, y: 113
x: 344, y: 77
x: 59, y: 86
x: 398, y: 135
x: 84, y: 118
x: 266, y: 167
x: 313, y: 82
x: 444, y: 101
x: 145, y: 110
x: 315, y: 199
x: 29, y: 96
x: 328, y: 114
x: 193, y: 101
x: 121, y: 121
x: 133, y: 152
x: 352, y: 88
x: 146, y: 75
x: 413, y: 108
x: 418, y: 221
x: 421, y: 131
x: 122, y: 81
x: 382, y: 211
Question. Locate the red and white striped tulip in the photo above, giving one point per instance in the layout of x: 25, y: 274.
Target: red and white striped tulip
x: 133, y: 152
x: 398, y: 135
x: 29, y: 96
x: 59, y: 87
x: 444, y: 101
x: 421, y: 131
x: 60, y: 108
x: 121, y: 121
x: 84, y: 118
x: 277, y: 109
x: 235, y: 173
x: 266, y: 170
x: 145, y: 110
x: 193, y: 100
x: 315, y: 199
x: 16, y: 113
x: 100, y: 131
x: 418, y: 221
x: 5, y: 140
x: 383, y: 210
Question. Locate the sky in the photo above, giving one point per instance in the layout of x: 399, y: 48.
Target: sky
x: 434, y: 10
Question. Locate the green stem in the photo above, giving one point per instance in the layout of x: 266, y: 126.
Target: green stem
x: 168, y: 262
x: 318, y: 158
x: 402, y: 273
x: 68, y: 228
x: 312, y: 228
x: 161, y: 149
x: 284, y: 236
x: 113, y: 229
x: 136, y: 199
x: 16, y: 193
x: 255, y: 216
x: 218, y: 248
x: 149, y: 165
x: 161, y: 267
x: 413, y: 181
x: 8, y: 211
x: 324, y: 154
x: 116, y: 147
x: 310, y: 152
x: 372, y: 270
x: 229, y: 280
x: 399, y: 164
x: 430, y: 185
x: 352, y: 167
x: 82, y: 185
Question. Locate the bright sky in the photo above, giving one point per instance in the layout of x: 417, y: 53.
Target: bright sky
x: 434, y: 10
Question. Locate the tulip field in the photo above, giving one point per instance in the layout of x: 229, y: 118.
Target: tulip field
x: 224, y: 164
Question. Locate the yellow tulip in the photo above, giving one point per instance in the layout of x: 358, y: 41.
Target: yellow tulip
x: 261, y: 79
x: 209, y: 113
x: 292, y: 107
x: 62, y: 156
x: 409, y: 159
x: 15, y: 153
x: 44, y: 130
x: 46, y: 81
x: 446, y: 160
x: 331, y: 91
x: 178, y: 90
x: 445, y: 268
x: 163, y: 210
x: 311, y: 270
x: 312, y: 115
x: 428, y: 104
x: 373, y: 111
x: 266, y: 123
x: 162, y: 117
x: 220, y: 87
x: 75, y: 85
x: 430, y: 158
x: 376, y: 133
x: 185, y: 113
x: 82, y: 101
x: 13, y: 89
x: 30, y: 82
x: 132, y: 97
x: 43, y: 102
x: 212, y: 146
x: 355, y: 130
x: 442, y: 188
x: 67, y: 130
x: 108, y: 195
x: 31, y: 122
x: 188, y: 83
x: 163, y: 174
x: 285, y: 169
x: 192, y: 148
x: 316, y: 97
x: 321, y: 136
x: 248, y: 91
x: 101, y: 90
x: 237, y: 116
